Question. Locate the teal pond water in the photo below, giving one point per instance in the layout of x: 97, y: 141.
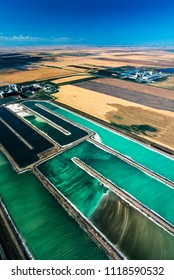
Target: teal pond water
x: 48, y: 230
x: 151, y: 159
x: 131, y: 232
x: 151, y: 192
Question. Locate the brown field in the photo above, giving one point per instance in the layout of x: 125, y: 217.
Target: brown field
x: 89, y: 62
x: 109, y: 57
x: 70, y: 79
x: 114, y: 101
x: 67, y: 58
x: 169, y: 83
x: 139, y: 62
x: 31, y: 75
x: 65, y: 65
x: 121, y: 112
x: 138, y: 87
x: 146, y: 95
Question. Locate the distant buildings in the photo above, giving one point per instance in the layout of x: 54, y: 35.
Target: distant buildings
x: 27, y: 90
x: 31, y: 87
x: 10, y: 90
x: 144, y: 76
x: 24, y: 91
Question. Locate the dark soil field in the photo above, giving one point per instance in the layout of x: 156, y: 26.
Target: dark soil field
x: 149, y: 100
x: 149, y: 89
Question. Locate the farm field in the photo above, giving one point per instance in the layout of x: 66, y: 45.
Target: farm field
x: 121, y: 113
x: 41, y: 73
x: 43, y: 63
x: 70, y: 79
x: 140, y: 94
x: 138, y: 87
x: 138, y: 62
x: 126, y: 105
x: 113, y: 57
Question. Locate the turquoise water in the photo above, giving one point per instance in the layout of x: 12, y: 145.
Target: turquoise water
x: 144, y: 188
x: 139, y: 153
x: 75, y: 133
x: 49, y: 232
x: 131, y: 232
x: 44, y: 126
x: 78, y: 186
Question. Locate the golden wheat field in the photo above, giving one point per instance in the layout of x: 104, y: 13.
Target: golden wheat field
x: 121, y: 112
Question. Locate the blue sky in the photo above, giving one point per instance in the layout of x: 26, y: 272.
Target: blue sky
x: 90, y: 22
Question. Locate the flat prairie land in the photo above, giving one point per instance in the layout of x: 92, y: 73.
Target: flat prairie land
x: 31, y: 75
x: 137, y: 87
x: 72, y: 58
x: 87, y: 101
x: 109, y: 57
x: 162, y: 99
x: 70, y: 79
x: 69, y: 67
x: 126, y: 105
x: 138, y: 57
x: 91, y: 62
x: 121, y: 113
x: 139, y: 62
